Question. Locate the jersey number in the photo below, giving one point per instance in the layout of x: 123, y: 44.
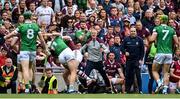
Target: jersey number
x: 166, y: 32
x: 54, y: 44
x: 30, y: 33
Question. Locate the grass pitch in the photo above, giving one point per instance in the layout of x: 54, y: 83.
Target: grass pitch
x: 89, y: 96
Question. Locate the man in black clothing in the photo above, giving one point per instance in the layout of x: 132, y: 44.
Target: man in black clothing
x: 133, y: 48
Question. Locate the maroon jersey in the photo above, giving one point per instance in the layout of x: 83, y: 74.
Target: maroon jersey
x: 144, y: 33
x: 176, y: 67
x: 111, y: 67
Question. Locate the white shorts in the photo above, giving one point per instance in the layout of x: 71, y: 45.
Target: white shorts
x: 78, y: 55
x: 27, y: 55
x: 18, y: 58
x: 66, y: 55
x: 113, y: 80
x: 172, y: 85
x: 163, y: 58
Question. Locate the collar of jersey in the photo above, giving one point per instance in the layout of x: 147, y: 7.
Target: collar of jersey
x: 28, y: 21
x: 164, y: 24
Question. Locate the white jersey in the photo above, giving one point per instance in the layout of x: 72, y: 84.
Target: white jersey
x: 44, y: 14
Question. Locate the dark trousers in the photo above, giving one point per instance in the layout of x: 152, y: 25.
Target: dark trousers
x: 132, y: 68
x: 151, y: 79
x: 98, y: 66
x: 11, y: 86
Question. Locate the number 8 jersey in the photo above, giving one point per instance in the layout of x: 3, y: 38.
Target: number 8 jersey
x: 164, y: 38
x: 28, y: 34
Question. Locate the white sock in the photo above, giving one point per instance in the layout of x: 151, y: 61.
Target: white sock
x: 159, y: 82
x: 71, y: 88
x: 26, y: 90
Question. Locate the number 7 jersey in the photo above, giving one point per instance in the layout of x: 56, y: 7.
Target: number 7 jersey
x: 164, y: 38
x: 28, y: 35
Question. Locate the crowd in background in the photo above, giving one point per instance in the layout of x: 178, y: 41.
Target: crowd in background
x: 113, y: 20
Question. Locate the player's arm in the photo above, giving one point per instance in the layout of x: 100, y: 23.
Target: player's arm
x: 43, y: 43
x: 53, y: 16
x: 176, y: 40
x: 13, y: 33
x: 153, y: 36
x: 172, y: 71
x: 121, y: 73
x: 51, y: 34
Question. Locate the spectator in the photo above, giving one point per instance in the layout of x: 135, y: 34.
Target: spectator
x: 82, y: 18
x: 18, y: 10
x: 103, y: 16
x: 126, y: 28
x: 109, y: 34
x: 7, y: 9
x: 5, y: 17
x: 130, y: 16
x: 77, y: 16
x: 49, y: 83
x: 57, y: 5
x: 113, y: 18
x: 147, y: 21
x: 82, y: 4
x: 107, y: 6
x: 40, y: 57
x: 118, y: 5
x: 83, y: 34
x: 116, y: 49
x: 133, y: 48
x: 32, y: 8
x: 8, y: 77
x: 3, y: 56
x: 71, y: 5
x: 92, y: 8
x: 163, y: 7
x: 45, y: 13
x: 137, y: 11
x: 170, y: 5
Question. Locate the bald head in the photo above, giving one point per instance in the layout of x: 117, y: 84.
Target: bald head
x: 133, y: 32
x: 8, y: 62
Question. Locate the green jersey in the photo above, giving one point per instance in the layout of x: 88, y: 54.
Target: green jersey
x: 58, y: 45
x: 164, y: 38
x: 28, y: 34
x: 82, y: 33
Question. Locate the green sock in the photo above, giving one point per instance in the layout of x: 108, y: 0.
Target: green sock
x: 30, y: 82
x: 27, y: 86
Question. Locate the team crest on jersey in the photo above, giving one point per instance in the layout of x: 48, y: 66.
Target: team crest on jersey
x: 137, y: 43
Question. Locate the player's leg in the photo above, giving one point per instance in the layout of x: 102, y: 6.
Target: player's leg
x: 178, y: 87
x: 165, y: 70
x: 155, y: 68
x: 167, y: 61
x: 21, y: 85
x: 120, y: 81
x: 172, y: 87
x: 32, y: 66
x: 72, y: 65
x: 67, y: 56
x: 66, y: 77
x: 24, y: 60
